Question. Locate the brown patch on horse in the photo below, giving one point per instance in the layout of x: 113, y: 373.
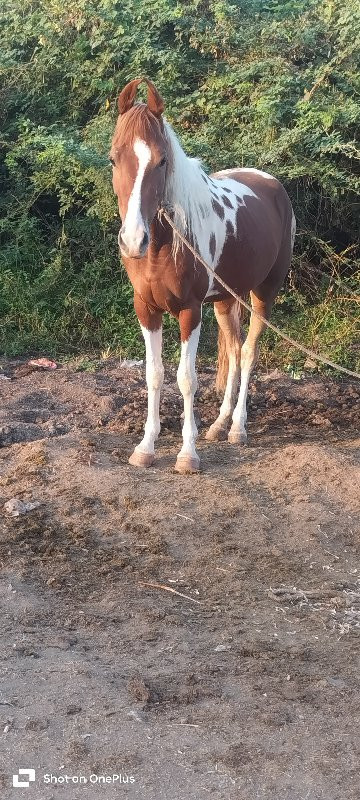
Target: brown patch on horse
x: 148, y: 316
x: 226, y: 201
x: 189, y: 319
x: 258, y: 254
x: 127, y: 96
x: 218, y: 208
x: 212, y: 245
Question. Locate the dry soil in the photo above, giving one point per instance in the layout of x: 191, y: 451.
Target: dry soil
x: 248, y: 686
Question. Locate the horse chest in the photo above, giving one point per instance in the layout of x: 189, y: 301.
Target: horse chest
x: 166, y: 287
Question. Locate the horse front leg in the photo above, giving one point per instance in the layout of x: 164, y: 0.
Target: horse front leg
x: 190, y: 324
x: 144, y: 453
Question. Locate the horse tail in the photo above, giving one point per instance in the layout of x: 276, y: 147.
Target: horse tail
x: 237, y: 312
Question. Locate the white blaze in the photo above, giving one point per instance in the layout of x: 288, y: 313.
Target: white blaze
x: 133, y: 228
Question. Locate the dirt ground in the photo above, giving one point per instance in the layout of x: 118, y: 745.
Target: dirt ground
x: 246, y: 687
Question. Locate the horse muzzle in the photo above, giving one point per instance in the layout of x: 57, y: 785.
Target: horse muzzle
x: 133, y: 247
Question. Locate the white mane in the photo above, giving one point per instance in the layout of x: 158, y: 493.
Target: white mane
x: 187, y: 192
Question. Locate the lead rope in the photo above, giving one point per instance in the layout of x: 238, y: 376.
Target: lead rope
x: 248, y: 307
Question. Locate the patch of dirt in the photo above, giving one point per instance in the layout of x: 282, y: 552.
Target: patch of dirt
x: 249, y: 692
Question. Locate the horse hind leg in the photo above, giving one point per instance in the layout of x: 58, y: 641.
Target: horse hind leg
x: 262, y: 299
x: 228, y: 315
x: 249, y: 354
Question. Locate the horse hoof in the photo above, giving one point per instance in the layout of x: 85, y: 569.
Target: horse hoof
x: 215, y: 433
x: 235, y: 437
x: 138, y: 459
x: 187, y: 465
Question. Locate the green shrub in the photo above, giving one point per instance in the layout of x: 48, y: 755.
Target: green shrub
x: 267, y: 84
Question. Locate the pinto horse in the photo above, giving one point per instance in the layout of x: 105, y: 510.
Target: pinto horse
x: 239, y: 220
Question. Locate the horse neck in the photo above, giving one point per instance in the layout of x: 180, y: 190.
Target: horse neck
x: 161, y: 236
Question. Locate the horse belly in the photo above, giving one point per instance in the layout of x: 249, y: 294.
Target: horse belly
x: 249, y: 253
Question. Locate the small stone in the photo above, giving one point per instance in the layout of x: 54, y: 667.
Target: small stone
x: 15, y: 507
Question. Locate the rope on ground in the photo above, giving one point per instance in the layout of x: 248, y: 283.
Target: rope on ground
x: 293, y: 342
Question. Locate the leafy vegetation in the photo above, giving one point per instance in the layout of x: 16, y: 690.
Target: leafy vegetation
x: 268, y: 84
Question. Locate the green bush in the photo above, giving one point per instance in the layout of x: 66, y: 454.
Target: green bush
x: 268, y: 84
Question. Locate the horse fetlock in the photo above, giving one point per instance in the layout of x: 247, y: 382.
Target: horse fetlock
x: 151, y: 432
x: 189, y: 434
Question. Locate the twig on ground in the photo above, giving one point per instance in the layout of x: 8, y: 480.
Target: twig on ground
x: 169, y: 589
x: 188, y: 724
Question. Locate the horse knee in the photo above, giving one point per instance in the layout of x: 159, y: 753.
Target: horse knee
x: 249, y: 354
x: 155, y: 376
x: 237, y: 351
x: 187, y: 380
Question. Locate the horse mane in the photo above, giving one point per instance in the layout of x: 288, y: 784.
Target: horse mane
x: 187, y: 193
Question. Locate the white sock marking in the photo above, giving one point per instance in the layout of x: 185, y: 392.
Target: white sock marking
x: 232, y: 383
x: 186, y: 376
x: 154, y: 379
x: 240, y: 413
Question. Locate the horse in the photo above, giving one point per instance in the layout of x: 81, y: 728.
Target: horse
x: 239, y: 220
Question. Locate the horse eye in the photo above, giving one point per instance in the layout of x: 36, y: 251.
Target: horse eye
x: 162, y: 162
x: 112, y: 162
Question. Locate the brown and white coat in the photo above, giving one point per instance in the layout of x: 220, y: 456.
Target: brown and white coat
x: 240, y: 221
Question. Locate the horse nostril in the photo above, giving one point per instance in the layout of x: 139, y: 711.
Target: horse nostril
x: 145, y: 240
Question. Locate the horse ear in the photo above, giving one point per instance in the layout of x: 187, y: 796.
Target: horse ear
x: 154, y: 99
x: 127, y: 96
